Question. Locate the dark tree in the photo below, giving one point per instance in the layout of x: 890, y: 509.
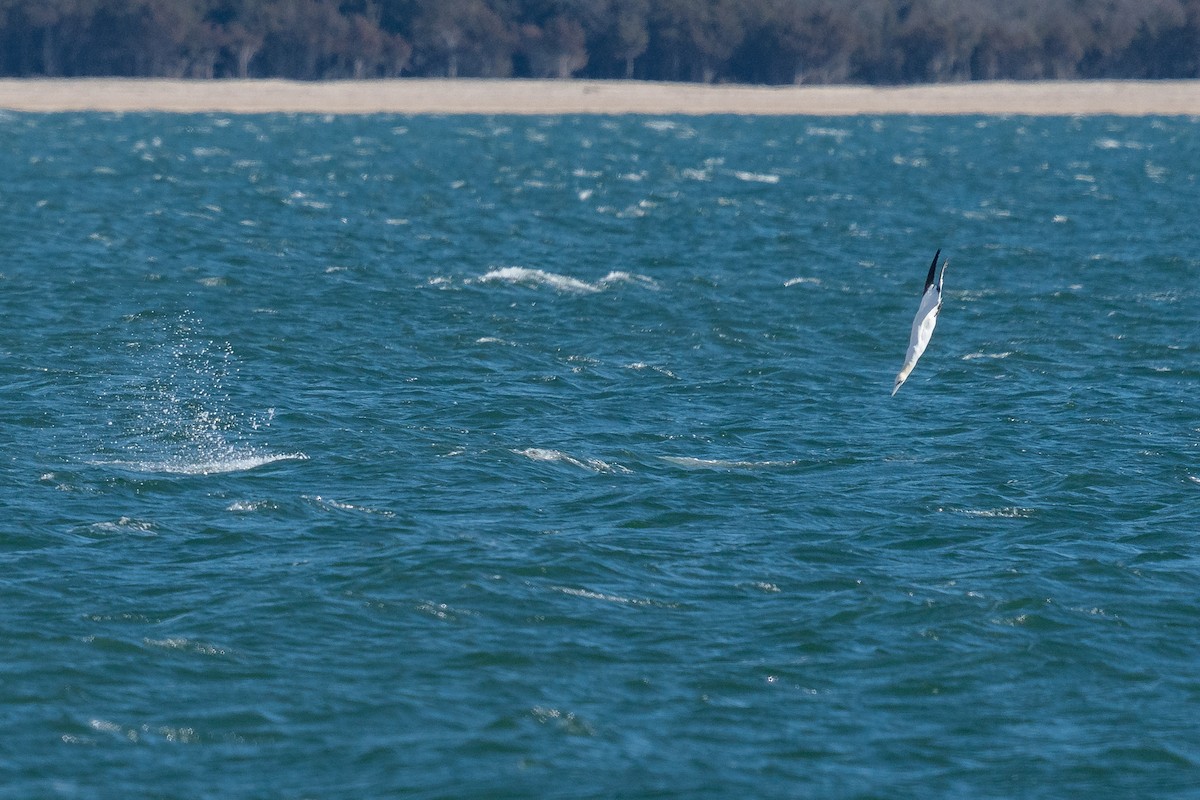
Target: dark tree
x: 304, y: 39
x: 461, y: 37
x: 937, y: 40
x: 556, y: 49
x: 800, y: 41
x: 1009, y: 48
x: 630, y: 32
x: 693, y: 40
x: 57, y: 31
x: 761, y: 41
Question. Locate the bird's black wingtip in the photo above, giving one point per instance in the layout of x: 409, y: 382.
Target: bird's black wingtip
x: 932, y: 269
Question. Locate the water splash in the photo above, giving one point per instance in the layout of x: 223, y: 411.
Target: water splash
x: 174, y: 412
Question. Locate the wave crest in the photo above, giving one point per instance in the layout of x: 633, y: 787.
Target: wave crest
x: 559, y: 457
x: 182, y: 465
x: 525, y: 276
x: 721, y: 463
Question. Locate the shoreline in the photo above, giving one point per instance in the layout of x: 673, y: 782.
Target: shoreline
x: 540, y: 97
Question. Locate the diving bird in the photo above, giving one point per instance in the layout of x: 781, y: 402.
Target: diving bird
x: 922, y: 327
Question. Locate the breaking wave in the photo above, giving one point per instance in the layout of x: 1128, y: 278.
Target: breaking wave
x: 720, y: 463
x: 559, y: 457
x: 524, y: 276
x: 184, y: 465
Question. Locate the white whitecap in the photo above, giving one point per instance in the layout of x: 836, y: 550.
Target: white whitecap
x: 973, y: 356
x: 1010, y: 512
x: 836, y: 133
x: 215, y: 465
x: 642, y: 365
x: 756, y: 177
x: 559, y: 457
x: 250, y: 506
x: 525, y: 276
x: 620, y: 276
x: 124, y: 525
x: 588, y: 594
x: 537, y: 277
x: 721, y: 463
x: 337, y: 505
x: 802, y: 280
x: 183, y: 643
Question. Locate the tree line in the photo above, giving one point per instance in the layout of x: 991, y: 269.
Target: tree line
x: 751, y: 41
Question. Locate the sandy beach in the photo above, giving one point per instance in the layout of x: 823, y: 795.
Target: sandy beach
x: 463, y: 96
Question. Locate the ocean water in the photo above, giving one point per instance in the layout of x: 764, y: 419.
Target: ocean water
x: 503, y: 457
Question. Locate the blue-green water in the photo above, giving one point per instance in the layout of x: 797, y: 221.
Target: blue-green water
x: 501, y: 457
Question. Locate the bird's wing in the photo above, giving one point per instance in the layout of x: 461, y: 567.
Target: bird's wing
x: 923, y: 323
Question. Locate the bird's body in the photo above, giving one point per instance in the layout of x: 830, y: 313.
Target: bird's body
x: 924, y: 322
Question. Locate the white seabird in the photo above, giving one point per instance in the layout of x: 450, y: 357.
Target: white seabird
x: 922, y: 327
